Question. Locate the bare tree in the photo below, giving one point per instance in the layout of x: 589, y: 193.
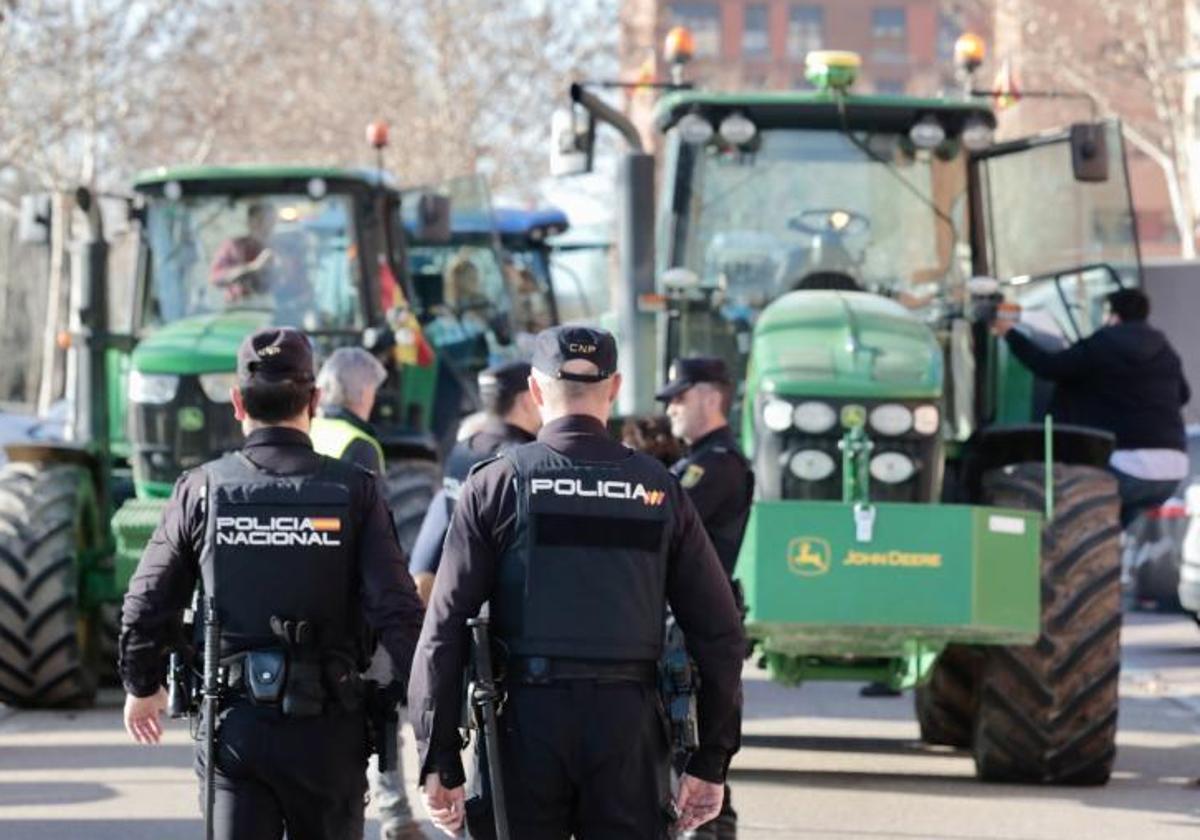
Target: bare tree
x: 1128, y: 56
x: 93, y: 90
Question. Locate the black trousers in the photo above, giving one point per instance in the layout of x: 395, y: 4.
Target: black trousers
x: 583, y: 759
x: 305, y: 775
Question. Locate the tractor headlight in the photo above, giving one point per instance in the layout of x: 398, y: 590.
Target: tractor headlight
x: 216, y: 386
x: 926, y: 419
x: 814, y: 417
x: 152, y: 388
x: 694, y: 129
x: 892, y: 467
x: 927, y: 133
x: 737, y: 130
x: 891, y: 419
x: 777, y: 415
x: 811, y: 465
x: 976, y: 135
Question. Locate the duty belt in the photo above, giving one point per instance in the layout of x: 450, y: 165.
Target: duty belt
x: 540, y: 670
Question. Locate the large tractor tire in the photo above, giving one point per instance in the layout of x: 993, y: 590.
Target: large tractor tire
x: 411, y: 486
x: 1048, y: 712
x: 946, y: 705
x: 49, y: 648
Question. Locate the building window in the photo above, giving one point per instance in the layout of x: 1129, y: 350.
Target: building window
x: 889, y: 22
x: 756, y: 41
x: 806, y: 30
x: 949, y: 29
x: 704, y: 21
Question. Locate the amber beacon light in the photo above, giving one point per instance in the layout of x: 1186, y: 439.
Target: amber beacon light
x: 969, y: 52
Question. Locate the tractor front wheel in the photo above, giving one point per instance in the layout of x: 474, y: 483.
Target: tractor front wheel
x: 49, y: 646
x: 1048, y: 712
x: 946, y: 705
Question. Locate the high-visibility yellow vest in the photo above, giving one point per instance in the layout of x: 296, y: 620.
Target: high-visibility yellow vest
x: 332, y: 436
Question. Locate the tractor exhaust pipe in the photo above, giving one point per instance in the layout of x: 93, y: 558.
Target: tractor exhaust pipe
x: 635, y: 231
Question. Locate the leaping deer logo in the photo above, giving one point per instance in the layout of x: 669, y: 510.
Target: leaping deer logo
x: 808, y: 556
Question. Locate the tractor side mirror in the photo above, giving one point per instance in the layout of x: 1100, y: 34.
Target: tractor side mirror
x: 33, y: 226
x: 433, y: 218
x: 572, y: 141
x: 1089, y: 152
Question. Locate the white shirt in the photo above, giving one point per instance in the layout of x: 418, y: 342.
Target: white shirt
x: 1151, y: 464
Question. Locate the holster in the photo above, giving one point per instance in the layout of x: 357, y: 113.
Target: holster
x: 383, y: 721
x: 265, y: 673
x: 304, y: 693
x: 677, y: 688
x: 481, y: 822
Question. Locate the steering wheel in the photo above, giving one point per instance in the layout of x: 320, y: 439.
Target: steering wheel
x: 822, y: 220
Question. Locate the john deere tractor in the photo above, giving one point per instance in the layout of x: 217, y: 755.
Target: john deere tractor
x: 919, y: 519
x: 493, y: 270
x: 149, y: 385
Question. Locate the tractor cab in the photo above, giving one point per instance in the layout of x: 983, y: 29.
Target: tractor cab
x: 831, y: 246
x: 485, y: 289
x: 225, y: 251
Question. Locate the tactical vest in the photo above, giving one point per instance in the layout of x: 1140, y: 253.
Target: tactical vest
x: 585, y: 574
x: 280, y: 545
x: 332, y: 436
x: 458, y: 466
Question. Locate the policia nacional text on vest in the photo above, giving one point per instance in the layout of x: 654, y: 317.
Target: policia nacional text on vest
x: 280, y: 547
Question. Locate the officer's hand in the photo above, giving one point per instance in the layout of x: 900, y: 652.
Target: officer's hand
x: 446, y: 805
x: 143, y: 716
x: 698, y: 802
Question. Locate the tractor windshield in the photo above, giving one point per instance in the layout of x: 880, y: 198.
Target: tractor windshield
x: 813, y: 209
x: 289, y: 255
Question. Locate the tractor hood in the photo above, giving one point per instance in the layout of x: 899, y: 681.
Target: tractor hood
x: 844, y: 344
x: 201, y: 344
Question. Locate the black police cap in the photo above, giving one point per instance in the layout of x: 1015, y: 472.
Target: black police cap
x: 556, y: 346
x: 275, y: 354
x: 692, y: 370
x: 508, y: 379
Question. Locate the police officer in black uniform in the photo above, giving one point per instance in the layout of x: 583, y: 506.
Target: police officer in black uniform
x: 714, y: 472
x: 577, y: 544
x: 510, y: 419
x: 299, y: 553
x: 718, y: 480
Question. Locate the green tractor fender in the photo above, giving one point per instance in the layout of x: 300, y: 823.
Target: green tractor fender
x: 1000, y: 446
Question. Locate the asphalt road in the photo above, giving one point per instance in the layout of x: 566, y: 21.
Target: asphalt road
x: 818, y: 762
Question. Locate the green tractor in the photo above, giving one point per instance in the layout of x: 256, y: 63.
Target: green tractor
x: 150, y: 368
x: 919, y: 520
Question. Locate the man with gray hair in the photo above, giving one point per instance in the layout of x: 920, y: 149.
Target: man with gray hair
x: 348, y: 382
